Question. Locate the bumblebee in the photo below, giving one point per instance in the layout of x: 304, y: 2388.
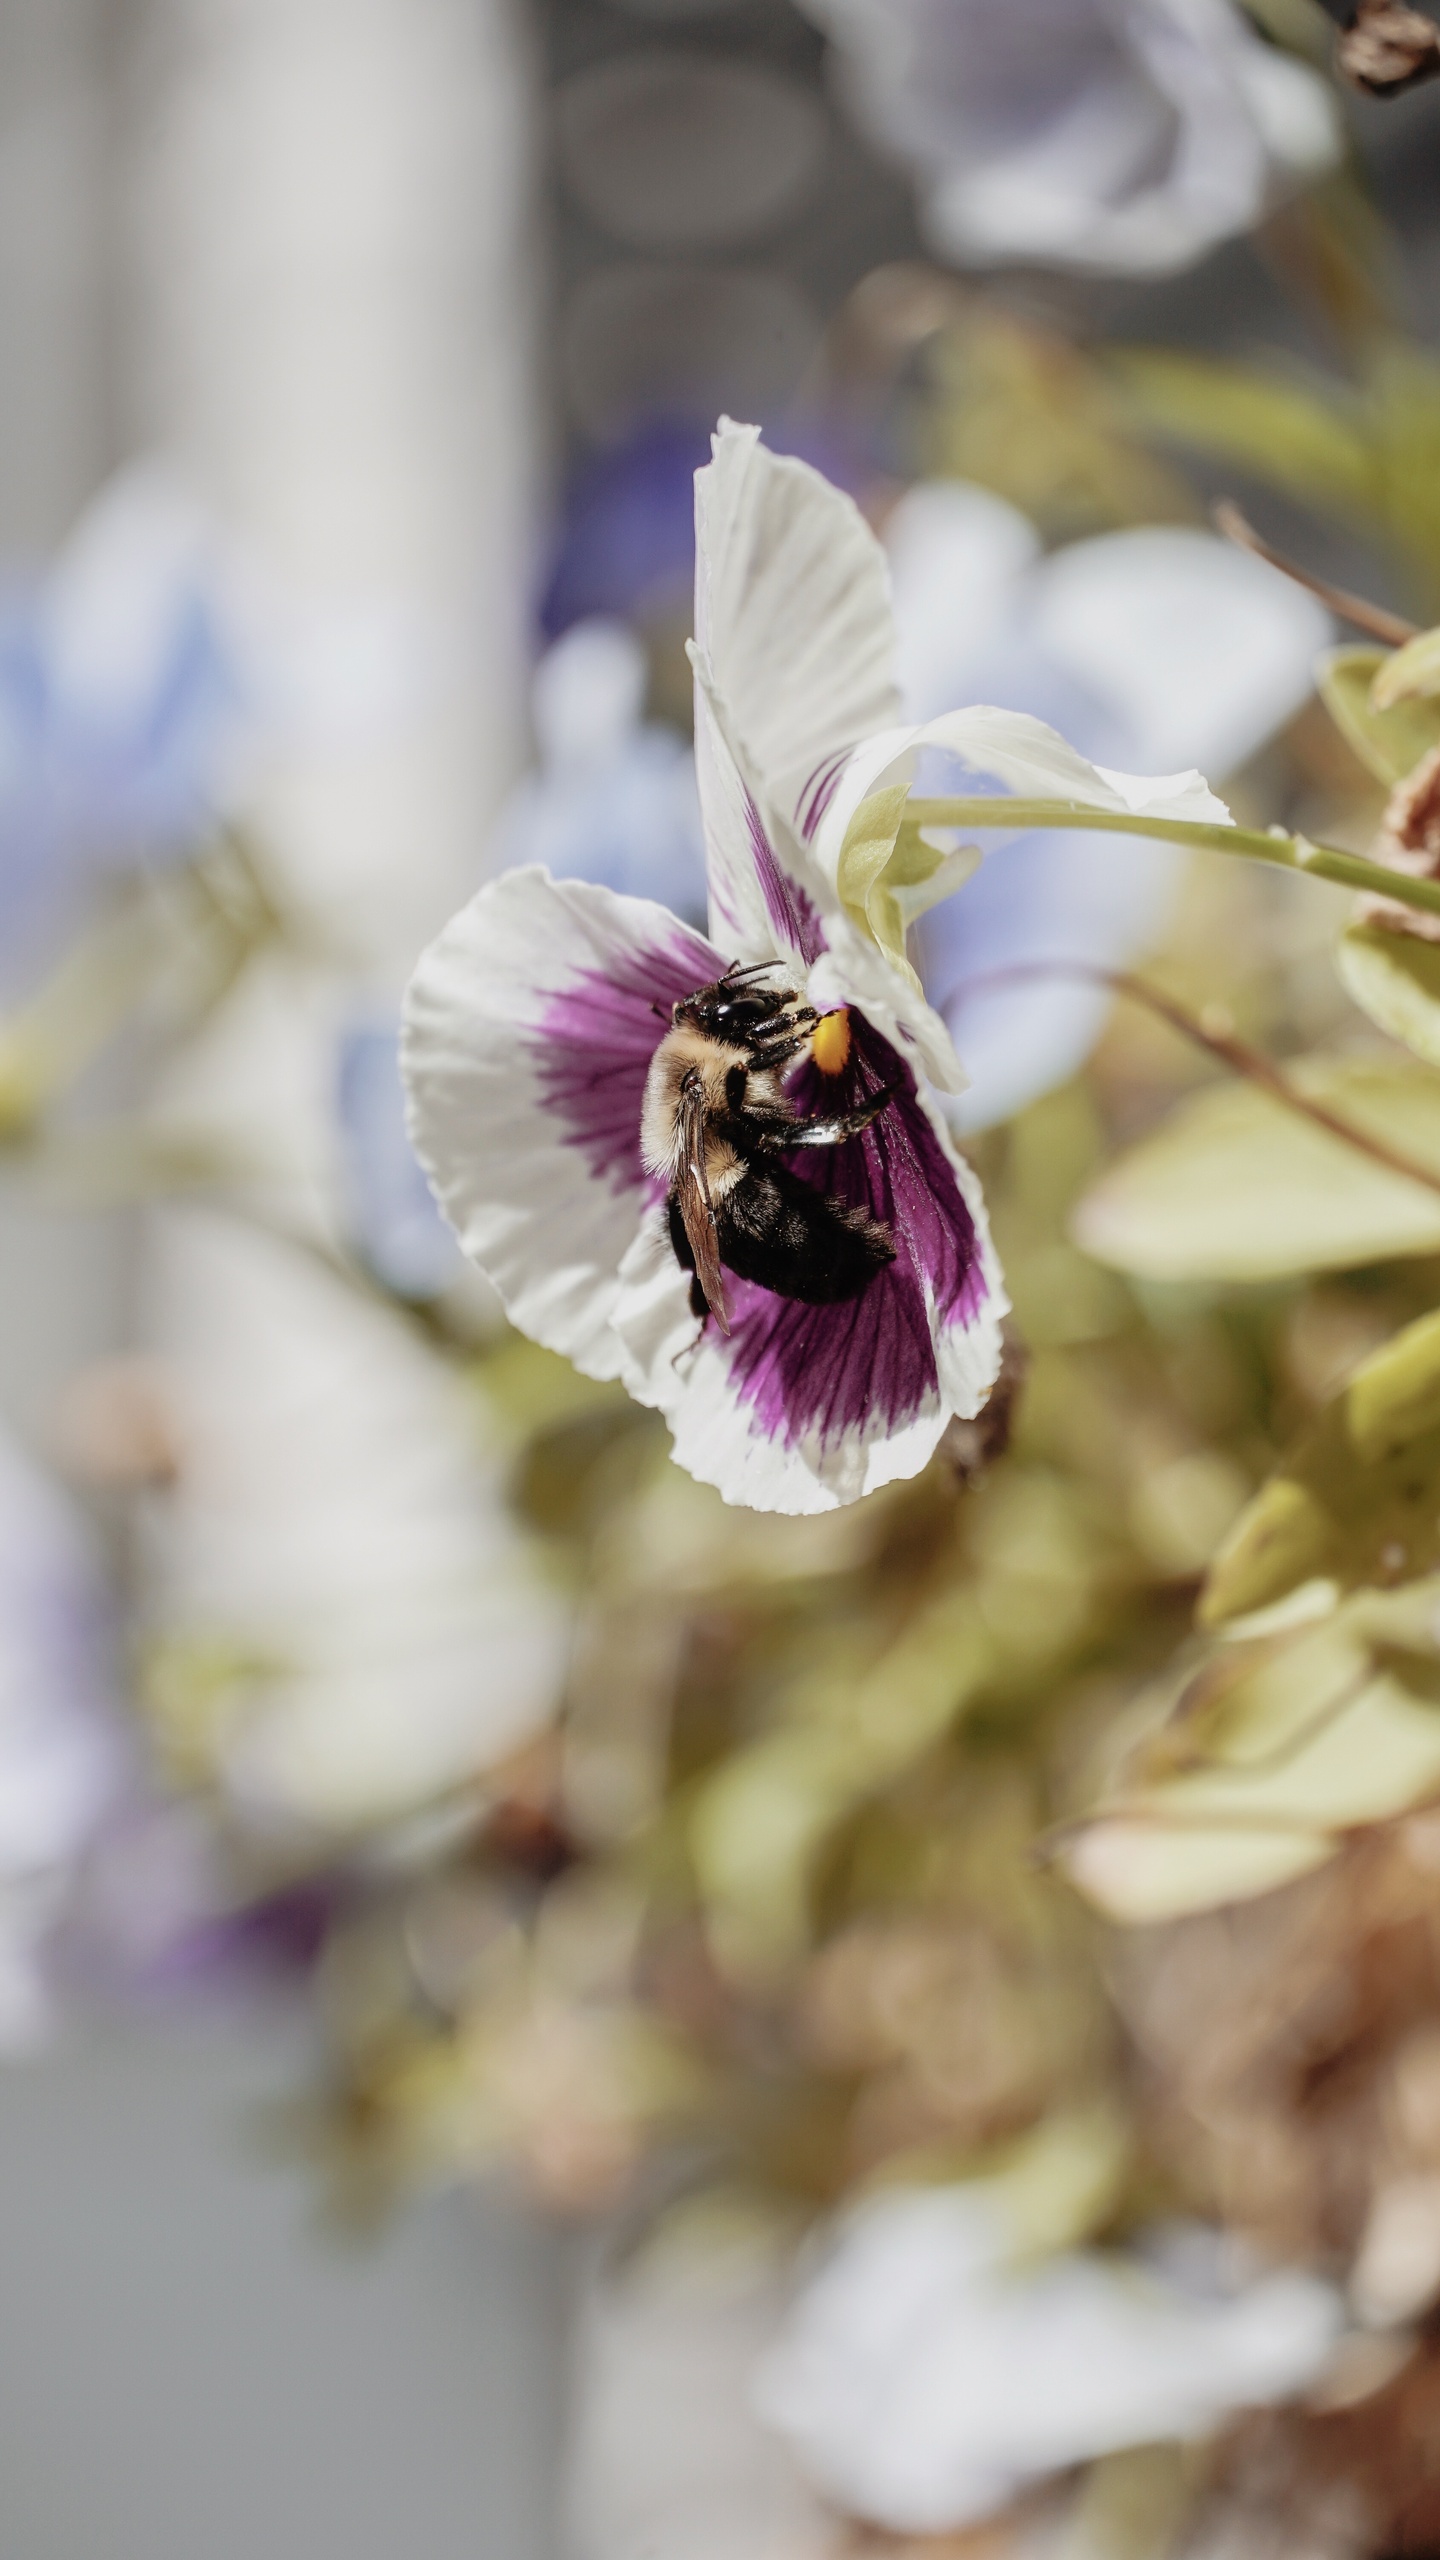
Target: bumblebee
x: 717, y: 1124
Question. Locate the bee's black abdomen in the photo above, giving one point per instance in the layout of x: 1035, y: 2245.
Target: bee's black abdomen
x: 787, y: 1236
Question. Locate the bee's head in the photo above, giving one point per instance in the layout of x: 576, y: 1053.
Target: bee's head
x: 735, y: 1007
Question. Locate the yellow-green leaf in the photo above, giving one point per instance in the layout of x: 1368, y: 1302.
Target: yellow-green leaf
x: 1359, y: 1499
x: 1140, y: 1869
x: 1411, y: 671
x: 1236, y: 1186
x: 864, y: 861
x: 1395, y: 978
x: 1260, y: 1772
x: 1059, y: 2184
x: 1391, y: 736
x: 758, y: 1824
x: 1291, y: 437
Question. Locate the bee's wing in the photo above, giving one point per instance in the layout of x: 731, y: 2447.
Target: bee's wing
x: 697, y: 1210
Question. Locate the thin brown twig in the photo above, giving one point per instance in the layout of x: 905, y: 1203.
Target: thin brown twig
x: 1392, y: 628
x: 1236, y: 1054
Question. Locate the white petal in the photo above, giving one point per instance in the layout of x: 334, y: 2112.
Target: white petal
x: 792, y: 618
x: 1026, y: 756
x: 755, y: 911
x: 526, y: 1199
x: 1035, y: 762
x: 344, y: 1541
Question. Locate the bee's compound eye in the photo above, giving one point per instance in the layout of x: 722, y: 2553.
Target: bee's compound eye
x: 736, y: 1082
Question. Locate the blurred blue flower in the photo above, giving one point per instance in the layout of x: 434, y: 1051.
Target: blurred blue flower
x: 614, y: 799
x: 120, y: 701
x: 166, y: 1913
x: 1153, y: 650
x: 1128, y: 136
x: 388, y: 1205
x: 626, y: 542
x: 625, y: 546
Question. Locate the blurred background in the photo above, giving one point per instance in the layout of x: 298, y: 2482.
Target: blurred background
x: 460, y: 1934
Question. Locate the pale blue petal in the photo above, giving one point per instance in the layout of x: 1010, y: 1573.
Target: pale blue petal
x: 390, y: 1209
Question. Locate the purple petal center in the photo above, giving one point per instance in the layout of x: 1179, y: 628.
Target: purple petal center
x: 805, y: 1372
x: 834, y: 1370
x: 596, y: 1038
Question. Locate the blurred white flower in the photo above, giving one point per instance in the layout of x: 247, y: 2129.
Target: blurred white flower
x: 1122, y: 135
x: 1155, y: 648
x: 614, y: 799
x: 924, y: 2379
x: 666, y: 2454
x: 61, y: 1756
x: 338, y: 1546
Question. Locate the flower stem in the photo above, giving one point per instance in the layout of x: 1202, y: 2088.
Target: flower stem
x: 1252, y: 844
x: 1219, y: 1043
x: 1391, y: 628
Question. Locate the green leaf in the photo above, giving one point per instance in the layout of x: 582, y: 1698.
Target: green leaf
x: 758, y: 1825
x: 1291, y: 437
x: 1357, y: 1502
x: 1390, y: 739
x: 1056, y: 2186
x: 1411, y: 671
x: 1142, y: 1870
x: 1365, y: 1762
x: 1394, y: 976
x: 1235, y: 1186
x: 1268, y: 1762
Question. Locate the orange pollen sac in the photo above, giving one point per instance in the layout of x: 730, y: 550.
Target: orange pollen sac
x: 830, y: 1042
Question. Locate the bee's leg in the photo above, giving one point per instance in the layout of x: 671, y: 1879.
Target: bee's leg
x: 779, y: 1052
x: 698, y: 1308
x: 834, y: 1132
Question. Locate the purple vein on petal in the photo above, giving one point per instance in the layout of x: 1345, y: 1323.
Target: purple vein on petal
x: 594, y: 1041
x: 830, y: 1371
x: 819, y: 791
x: 793, y: 919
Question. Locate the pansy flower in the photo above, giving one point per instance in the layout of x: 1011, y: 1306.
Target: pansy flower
x: 534, y: 1022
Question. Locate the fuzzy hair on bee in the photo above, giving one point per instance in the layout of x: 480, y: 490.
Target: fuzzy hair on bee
x: 715, y: 1126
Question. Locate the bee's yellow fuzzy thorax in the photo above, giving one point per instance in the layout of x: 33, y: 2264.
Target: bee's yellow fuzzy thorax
x: 830, y: 1042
